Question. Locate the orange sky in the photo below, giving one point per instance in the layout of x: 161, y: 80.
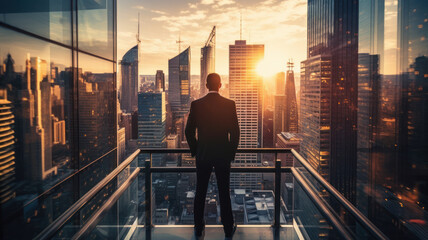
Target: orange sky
x: 279, y: 24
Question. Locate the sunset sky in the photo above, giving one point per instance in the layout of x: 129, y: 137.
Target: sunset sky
x: 278, y: 24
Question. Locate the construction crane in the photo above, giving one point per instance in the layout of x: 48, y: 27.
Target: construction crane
x: 211, y: 39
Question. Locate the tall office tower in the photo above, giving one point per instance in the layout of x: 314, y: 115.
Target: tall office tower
x: 36, y: 132
x: 280, y: 83
x: 330, y: 144
x: 97, y: 104
x: 279, y: 105
x: 315, y: 112
x: 7, y: 149
x: 207, y: 61
x: 370, y: 59
x: 245, y: 88
x: 268, y: 119
x: 152, y: 122
x: 160, y: 81
x: 290, y: 114
x: 129, y: 66
x: 179, y: 86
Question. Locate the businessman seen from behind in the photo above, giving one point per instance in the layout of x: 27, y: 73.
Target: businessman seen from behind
x: 212, y: 132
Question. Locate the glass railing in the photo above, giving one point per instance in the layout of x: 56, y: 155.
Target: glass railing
x: 269, y: 201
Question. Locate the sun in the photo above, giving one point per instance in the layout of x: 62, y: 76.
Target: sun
x: 267, y: 68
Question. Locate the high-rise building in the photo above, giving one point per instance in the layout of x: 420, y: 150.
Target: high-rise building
x: 129, y: 70
x: 179, y: 82
x: 280, y: 83
x: 245, y: 88
x: 268, y: 120
x: 279, y: 105
x: 291, y: 116
x: 178, y: 90
x: 160, y: 81
x: 207, y: 61
x: 7, y: 149
x: 332, y: 64
x: 152, y: 122
x: 315, y: 113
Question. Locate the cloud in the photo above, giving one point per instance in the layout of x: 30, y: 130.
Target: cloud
x: 207, y: 2
x: 268, y: 2
x: 158, y: 12
x: 280, y: 25
x: 140, y: 7
x: 225, y: 2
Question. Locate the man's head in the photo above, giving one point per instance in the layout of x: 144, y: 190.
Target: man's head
x: 213, y: 82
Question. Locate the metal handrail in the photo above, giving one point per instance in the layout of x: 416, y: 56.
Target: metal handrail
x: 98, y: 216
x: 56, y: 225
x: 239, y: 150
x: 361, y: 218
x: 60, y: 221
x: 321, y: 205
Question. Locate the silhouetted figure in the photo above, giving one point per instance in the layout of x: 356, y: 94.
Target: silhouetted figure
x: 212, y: 132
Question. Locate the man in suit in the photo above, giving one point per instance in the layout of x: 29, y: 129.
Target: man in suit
x: 212, y: 132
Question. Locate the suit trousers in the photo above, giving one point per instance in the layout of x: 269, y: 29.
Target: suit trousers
x: 203, y: 174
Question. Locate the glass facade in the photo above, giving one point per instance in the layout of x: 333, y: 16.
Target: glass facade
x: 363, y: 104
x: 58, y: 105
x: 392, y: 129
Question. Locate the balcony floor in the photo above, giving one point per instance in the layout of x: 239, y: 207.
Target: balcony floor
x: 215, y: 232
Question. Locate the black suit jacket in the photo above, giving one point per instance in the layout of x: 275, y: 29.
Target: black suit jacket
x: 212, y: 129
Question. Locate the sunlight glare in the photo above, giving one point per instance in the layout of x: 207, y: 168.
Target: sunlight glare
x: 268, y: 68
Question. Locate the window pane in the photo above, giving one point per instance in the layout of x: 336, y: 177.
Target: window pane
x: 95, y: 24
x: 97, y: 108
x: 47, y: 18
x: 35, y: 131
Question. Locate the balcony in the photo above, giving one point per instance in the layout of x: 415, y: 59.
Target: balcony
x: 300, y: 205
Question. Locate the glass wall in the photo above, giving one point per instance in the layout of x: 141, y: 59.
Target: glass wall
x: 58, y: 109
x: 392, y: 116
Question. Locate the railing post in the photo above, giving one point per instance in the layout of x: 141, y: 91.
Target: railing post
x: 148, y: 196
x: 277, y: 221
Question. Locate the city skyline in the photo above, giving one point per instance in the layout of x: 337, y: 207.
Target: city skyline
x: 163, y: 22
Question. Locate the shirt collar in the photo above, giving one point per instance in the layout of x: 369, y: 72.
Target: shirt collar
x: 213, y: 92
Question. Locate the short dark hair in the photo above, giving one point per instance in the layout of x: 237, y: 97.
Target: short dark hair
x: 213, y: 81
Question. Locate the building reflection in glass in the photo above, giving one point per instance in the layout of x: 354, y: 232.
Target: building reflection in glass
x: 392, y: 116
x: 57, y: 105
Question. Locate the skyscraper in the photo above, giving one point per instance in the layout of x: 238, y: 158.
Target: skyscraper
x: 290, y: 113
x: 152, y: 122
x: 179, y: 82
x: 129, y: 66
x: 315, y: 113
x: 160, y: 81
x: 332, y: 63
x: 7, y: 149
x: 279, y: 105
x: 245, y: 88
x: 207, y: 61
x: 179, y: 86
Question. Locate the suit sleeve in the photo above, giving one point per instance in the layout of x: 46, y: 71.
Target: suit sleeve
x: 191, y: 131
x: 234, y: 130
